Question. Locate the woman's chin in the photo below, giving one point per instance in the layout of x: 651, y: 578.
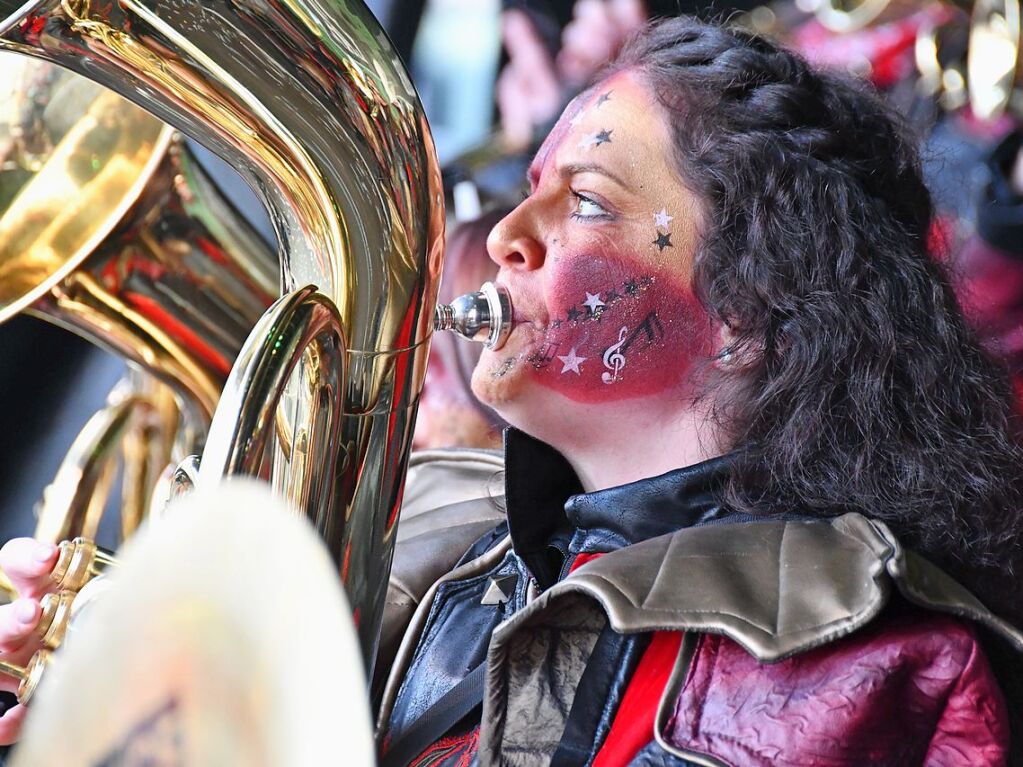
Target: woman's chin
x: 499, y: 379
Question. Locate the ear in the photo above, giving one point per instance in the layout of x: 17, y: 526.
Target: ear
x: 734, y: 352
x: 724, y: 354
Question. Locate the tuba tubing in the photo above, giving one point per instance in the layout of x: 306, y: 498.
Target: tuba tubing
x: 301, y: 325
x: 311, y: 104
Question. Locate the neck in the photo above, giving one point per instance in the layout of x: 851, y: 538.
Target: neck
x: 636, y: 442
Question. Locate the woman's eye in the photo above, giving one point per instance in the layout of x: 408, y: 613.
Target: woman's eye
x: 586, y: 207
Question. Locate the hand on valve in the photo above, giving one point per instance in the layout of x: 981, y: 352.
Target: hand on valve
x: 28, y: 563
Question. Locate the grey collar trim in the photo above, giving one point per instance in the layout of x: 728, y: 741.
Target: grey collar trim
x: 775, y: 588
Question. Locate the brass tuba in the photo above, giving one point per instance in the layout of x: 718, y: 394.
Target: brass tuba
x: 310, y: 103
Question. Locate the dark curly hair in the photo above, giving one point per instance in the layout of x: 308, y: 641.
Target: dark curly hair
x: 861, y: 387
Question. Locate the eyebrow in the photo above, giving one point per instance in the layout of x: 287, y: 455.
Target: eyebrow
x: 574, y: 168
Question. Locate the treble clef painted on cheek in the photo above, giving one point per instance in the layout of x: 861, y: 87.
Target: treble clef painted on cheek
x: 614, y: 360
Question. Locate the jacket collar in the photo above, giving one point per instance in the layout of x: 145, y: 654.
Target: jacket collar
x: 549, y: 515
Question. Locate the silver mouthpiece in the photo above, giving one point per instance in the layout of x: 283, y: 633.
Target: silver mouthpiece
x: 484, y: 316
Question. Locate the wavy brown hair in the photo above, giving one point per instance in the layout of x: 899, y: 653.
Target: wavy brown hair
x: 862, y: 388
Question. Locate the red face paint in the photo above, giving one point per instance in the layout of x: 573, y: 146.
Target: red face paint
x: 599, y: 262
x: 617, y: 330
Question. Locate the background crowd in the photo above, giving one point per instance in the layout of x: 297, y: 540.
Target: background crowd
x: 494, y: 75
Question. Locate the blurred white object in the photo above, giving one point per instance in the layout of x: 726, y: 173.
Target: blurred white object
x: 454, y: 66
x: 223, y: 639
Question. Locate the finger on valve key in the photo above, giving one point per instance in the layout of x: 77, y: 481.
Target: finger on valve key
x: 11, y: 723
x: 18, y: 621
x: 28, y: 564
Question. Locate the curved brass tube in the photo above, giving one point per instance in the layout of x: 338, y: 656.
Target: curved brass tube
x: 302, y: 325
x: 139, y: 424
x: 73, y: 503
x: 110, y: 228
x: 308, y: 100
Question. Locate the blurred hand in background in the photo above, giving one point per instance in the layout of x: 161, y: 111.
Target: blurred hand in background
x: 534, y: 85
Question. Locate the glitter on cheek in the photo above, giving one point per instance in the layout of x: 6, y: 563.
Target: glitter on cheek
x: 618, y: 329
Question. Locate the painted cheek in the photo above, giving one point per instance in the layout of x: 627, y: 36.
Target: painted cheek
x: 618, y: 329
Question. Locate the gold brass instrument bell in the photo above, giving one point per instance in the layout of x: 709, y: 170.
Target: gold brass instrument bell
x: 310, y: 103
x: 111, y: 228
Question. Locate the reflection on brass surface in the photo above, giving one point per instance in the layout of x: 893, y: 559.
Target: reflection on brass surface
x: 300, y: 332
x: 993, y: 63
x: 73, y: 157
x: 53, y: 622
x: 110, y: 228
x: 73, y: 503
x: 940, y: 53
x: 79, y: 561
x: 844, y: 16
x: 310, y: 103
x: 136, y: 431
x: 29, y: 675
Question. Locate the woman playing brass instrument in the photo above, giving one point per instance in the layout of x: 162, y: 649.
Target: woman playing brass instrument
x: 721, y: 266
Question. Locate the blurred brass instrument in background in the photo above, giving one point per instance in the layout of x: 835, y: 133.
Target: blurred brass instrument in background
x: 310, y: 104
x: 993, y: 67
x: 845, y: 16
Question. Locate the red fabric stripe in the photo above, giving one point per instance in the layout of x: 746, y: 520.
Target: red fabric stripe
x: 633, y: 726
x: 582, y: 559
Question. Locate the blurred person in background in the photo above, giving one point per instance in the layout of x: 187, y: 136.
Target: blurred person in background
x: 449, y: 413
x: 535, y: 84
x: 988, y: 268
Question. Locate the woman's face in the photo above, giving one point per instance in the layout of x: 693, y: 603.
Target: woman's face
x: 598, y: 261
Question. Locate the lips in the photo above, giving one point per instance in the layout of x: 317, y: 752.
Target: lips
x: 523, y: 314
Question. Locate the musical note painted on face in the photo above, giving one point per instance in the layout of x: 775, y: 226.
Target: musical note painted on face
x: 614, y: 360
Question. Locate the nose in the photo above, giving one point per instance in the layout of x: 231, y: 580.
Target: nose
x: 514, y: 243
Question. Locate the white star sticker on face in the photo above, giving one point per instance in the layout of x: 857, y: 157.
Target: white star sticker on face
x: 572, y: 361
x: 593, y: 301
x: 662, y: 219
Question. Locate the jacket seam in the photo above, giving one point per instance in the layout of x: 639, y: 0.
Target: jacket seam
x: 849, y: 625
x: 399, y: 586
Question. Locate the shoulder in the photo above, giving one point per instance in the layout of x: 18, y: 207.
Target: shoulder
x: 452, y: 499
x: 777, y: 588
x: 913, y: 687
x: 441, y: 477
